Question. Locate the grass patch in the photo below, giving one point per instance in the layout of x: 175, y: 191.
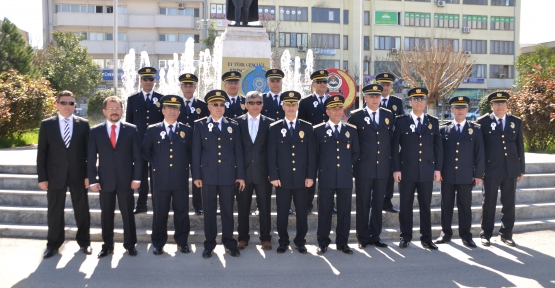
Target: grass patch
x: 28, y: 138
x: 550, y: 150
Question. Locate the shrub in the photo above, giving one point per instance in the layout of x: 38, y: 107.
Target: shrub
x: 95, y: 105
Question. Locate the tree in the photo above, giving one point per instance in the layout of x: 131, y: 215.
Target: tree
x: 542, y: 56
x: 15, y: 52
x: 96, y: 104
x: 68, y: 65
x: 273, y: 28
x: 211, y: 37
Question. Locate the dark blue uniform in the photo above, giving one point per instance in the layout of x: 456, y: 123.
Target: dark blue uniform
x: 272, y: 108
x: 420, y: 155
x: 237, y: 109
x: 170, y: 158
x: 291, y: 159
x: 335, y: 158
x: 371, y: 171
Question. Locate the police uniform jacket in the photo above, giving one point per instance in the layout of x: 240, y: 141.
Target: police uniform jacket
x: 217, y: 159
x: 395, y: 105
x: 237, y: 109
x: 271, y: 108
x: 141, y: 114
x: 375, y: 149
x: 200, y: 110
x: 504, y: 151
x: 291, y: 160
x: 336, y: 156
x: 421, y: 154
x: 169, y: 159
x: 463, y: 156
x: 311, y: 110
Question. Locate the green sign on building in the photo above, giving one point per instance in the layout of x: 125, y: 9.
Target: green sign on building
x: 386, y: 18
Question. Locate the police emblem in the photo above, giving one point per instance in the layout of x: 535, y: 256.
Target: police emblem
x: 232, y: 73
x: 394, y: 107
x: 187, y: 75
x: 499, y: 95
x: 301, y: 134
x: 430, y: 126
x: 148, y: 70
x: 218, y: 93
x: 174, y: 99
x: 242, y: 106
x: 335, y: 98
x: 321, y: 71
x: 513, y: 125
x: 347, y: 134
x: 230, y: 130
x: 182, y: 134
x: 274, y: 71
x: 158, y: 104
x: 418, y: 90
x: 374, y: 87
x: 386, y: 121
x: 198, y: 110
x: 470, y: 131
x: 291, y: 94
x: 385, y: 75
x: 461, y: 98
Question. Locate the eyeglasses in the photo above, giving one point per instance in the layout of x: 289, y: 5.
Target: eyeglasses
x: 113, y: 109
x: 418, y: 99
x: 254, y: 102
x: 321, y: 81
x: 64, y: 103
x: 147, y: 79
x: 217, y: 105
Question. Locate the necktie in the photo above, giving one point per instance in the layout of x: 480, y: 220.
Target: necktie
x: 232, y: 101
x: 419, y: 126
x: 336, y: 132
x: 276, y: 99
x: 217, y: 127
x: 500, y: 126
x: 383, y: 103
x: 188, y: 108
x: 113, y: 135
x: 170, y: 134
x: 291, y: 129
x: 374, y: 119
x: 253, y: 131
x: 148, y: 103
x: 321, y: 99
x: 459, y: 130
x: 67, y: 137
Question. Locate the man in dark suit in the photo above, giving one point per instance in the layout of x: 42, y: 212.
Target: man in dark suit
x: 193, y: 110
x: 144, y: 109
x: 337, y: 149
x: 416, y: 165
x: 167, y: 146
x: 116, y: 146
x: 375, y: 129
x: 62, y: 163
x: 292, y: 168
x: 272, y: 103
x: 311, y: 109
x: 395, y: 105
x: 254, y: 129
x: 463, y: 168
x: 219, y: 170
x: 504, y: 150
x: 234, y: 103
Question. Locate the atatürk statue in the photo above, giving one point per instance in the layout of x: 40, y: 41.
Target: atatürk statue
x: 244, y: 11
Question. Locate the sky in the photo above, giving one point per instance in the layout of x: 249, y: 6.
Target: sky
x: 536, y: 17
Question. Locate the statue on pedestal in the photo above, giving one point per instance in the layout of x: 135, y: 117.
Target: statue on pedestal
x: 242, y: 11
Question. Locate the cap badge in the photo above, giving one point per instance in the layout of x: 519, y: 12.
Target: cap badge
x: 385, y: 75
x: 499, y: 95
x: 188, y: 75
x: 274, y: 71
x: 218, y: 93
x: 321, y: 71
x: 418, y: 90
x: 336, y: 98
x: 460, y: 98
x: 174, y: 99
x: 374, y: 87
x: 291, y: 94
x: 148, y: 70
x: 232, y: 74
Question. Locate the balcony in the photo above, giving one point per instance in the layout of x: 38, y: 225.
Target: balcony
x: 88, y: 19
x: 124, y: 20
x: 159, y: 47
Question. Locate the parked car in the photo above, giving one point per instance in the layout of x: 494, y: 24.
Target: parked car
x: 473, y: 113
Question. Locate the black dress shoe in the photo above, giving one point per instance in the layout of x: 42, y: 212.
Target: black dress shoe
x: 184, y: 249
x: 207, y: 253
x: 442, y: 240
x: 508, y: 241
x: 469, y: 243
x: 345, y: 249
x: 362, y: 245
x: 378, y: 243
x: 301, y: 248
x: 233, y: 252
x: 321, y: 250
x: 199, y: 212
x: 282, y: 248
x: 132, y: 251
x: 105, y: 252
x: 291, y: 212
x: 391, y: 210
x: 429, y: 244
x: 140, y: 210
x: 87, y: 250
x: 49, y: 252
x: 485, y: 242
x: 157, y: 251
x: 404, y: 243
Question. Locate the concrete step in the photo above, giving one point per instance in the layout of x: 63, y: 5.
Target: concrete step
x: 38, y: 216
x: 197, y: 236
x: 38, y: 198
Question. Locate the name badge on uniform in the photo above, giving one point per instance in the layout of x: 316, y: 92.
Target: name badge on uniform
x: 283, y: 132
x: 412, y: 126
x: 493, y: 125
x: 163, y: 135
x: 227, y: 105
x: 315, y: 103
x: 329, y: 132
x: 210, y: 126
x: 367, y: 119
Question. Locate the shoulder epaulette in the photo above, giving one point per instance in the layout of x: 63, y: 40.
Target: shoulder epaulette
x: 270, y: 119
x: 351, y: 125
x: 383, y: 108
x: 318, y: 125
x: 483, y: 116
x: 152, y: 125
x: 230, y: 120
x: 305, y: 122
x: 356, y: 110
x: 395, y: 97
x: 444, y: 123
x: 474, y: 123
x: 185, y: 124
x: 201, y: 119
x: 401, y: 116
x: 275, y: 123
x: 433, y: 117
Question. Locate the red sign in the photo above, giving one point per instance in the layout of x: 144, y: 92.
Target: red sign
x: 341, y: 83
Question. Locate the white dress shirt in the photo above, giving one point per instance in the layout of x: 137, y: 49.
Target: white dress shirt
x: 332, y: 125
x: 504, y: 121
x: 377, y: 116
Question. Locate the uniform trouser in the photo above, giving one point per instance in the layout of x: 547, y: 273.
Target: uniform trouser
x: 197, y: 198
x: 56, y: 224
x: 464, y: 205
x: 489, y: 192
x: 310, y: 199
x: 325, y: 208
x: 107, y: 208
x: 179, y: 200
x: 145, y: 187
x: 424, y: 191
x: 388, y: 192
x: 283, y: 197
x: 210, y: 204
x: 263, y: 200
x: 369, y: 194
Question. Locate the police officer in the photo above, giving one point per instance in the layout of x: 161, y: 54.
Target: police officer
x: 463, y: 168
x: 417, y: 160
x: 235, y: 103
x: 504, y: 150
x: 337, y: 149
x: 395, y: 105
x: 193, y: 109
x: 272, y: 102
x: 312, y: 109
x: 375, y: 129
x: 292, y: 168
x: 144, y: 109
x: 167, y: 146
x: 217, y: 167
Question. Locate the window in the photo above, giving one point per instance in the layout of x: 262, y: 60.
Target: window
x: 71, y: 8
x: 82, y: 34
x: 502, y: 2
x: 96, y: 9
x: 366, y: 17
x: 185, y: 37
x: 325, y: 15
x: 324, y: 64
x: 414, y: 43
x: 502, y: 23
x: 110, y: 9
x: 345, y: 42
x: 418, y: 0
x: 502, y: 47
x: 99, y: 62
x: 384, y: 66
x: 386, y: 42
x: 447, y: 42
x: 475, y: 21
x: 266, y: 12
x: 366, y: 42
x: 272, y: 37
x: 121, y: 36
x: 109, y: 63
x: 218, y: 11
x: 293, y: 14
x: 293, y: 39
x: 96, y: 36
x: 501, y: 71
x: 189, y: 12
x: 446, y: 20
x: 450, y: 1
x: 479, y: 71
x: 346, y: 65
x: 122, y: 9
x: 167, y: 37
x: 168, y: 11
x: 475, y: 46
x: 417, y: 19
x: 328, y: 41
x: 162, y: 64
x: 476, y: 2
x: 345, y: 16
